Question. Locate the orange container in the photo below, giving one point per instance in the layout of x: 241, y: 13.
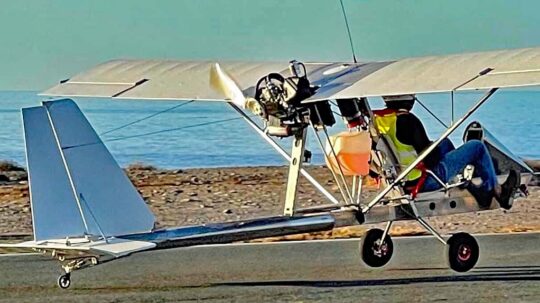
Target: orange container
x: 353, y: 150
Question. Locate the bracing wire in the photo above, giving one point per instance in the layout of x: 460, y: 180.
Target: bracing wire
x: 348, y: 30
x: 157, y: 132
x: 431, y: 113
x: 173, y: 129
x: 146, y: 118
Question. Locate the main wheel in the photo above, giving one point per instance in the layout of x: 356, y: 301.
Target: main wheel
x: 375, y: 251
x: 462, y: 252
x: 64, y: 281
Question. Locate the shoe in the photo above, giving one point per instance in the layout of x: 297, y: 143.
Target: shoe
x: 482, y: 196
x: 508, y: 189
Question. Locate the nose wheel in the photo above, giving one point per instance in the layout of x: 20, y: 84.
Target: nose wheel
x: 462, y: 252
x: 375, y: 251
x: 64, y: 281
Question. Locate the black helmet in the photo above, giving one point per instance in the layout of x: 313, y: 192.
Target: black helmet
x: 400, y: 101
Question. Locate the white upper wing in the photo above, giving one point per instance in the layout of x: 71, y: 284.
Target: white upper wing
x: 189, y: 80
x: 506, y: 68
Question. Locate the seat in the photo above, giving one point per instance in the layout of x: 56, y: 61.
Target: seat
x: 388, y: 150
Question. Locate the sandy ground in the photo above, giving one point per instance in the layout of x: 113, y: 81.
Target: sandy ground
x: 196, y: 196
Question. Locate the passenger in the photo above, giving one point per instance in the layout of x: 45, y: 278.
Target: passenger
x: 410, y: 138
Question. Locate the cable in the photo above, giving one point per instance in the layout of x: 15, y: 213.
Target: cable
x: 172, y: 129
x: 146, y: 118
x: 348, y: 30
x: 431, y: 113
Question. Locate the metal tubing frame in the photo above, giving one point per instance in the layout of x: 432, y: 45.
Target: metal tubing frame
x: 444, y: 185
x: 426, y: 152
x: 295, y: 166
x: 283, y: 153
x: 431, y: 230
x: 338, y: 183
x: 359, y: 190
x: 349, y: 195
x: 386, y: 230
x: 94, y: 218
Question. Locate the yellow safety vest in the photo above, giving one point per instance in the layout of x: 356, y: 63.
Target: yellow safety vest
x: 385, y: 122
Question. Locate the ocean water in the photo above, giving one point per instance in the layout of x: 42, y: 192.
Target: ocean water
x: 192, y: 136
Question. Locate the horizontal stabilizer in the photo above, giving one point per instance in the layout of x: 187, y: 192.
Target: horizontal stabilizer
x: 113, y: 247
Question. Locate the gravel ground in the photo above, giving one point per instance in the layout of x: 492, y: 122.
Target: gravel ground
x: 196, y: 196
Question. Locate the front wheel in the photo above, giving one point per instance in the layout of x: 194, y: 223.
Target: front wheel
x: 462, y: 252
x: 375, y: 251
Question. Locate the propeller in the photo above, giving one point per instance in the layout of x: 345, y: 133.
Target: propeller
x: 223, y: 83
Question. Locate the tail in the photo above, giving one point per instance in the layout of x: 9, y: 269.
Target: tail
x: 76, y: 186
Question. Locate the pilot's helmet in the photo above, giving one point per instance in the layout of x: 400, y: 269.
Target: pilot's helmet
x: 400, y: 101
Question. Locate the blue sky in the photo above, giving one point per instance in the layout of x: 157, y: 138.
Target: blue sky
x: 44, y: 41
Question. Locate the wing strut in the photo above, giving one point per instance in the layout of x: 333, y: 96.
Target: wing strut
x: 283, y: 153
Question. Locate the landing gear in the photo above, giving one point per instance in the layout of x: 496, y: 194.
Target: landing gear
x: 462, y: 252
x: 64, y: 281
x: 375, y: 250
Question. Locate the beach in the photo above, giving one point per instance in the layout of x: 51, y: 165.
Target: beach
x: 196, y: 196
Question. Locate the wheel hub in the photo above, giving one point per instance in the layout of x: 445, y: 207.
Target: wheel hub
x: 380, y: 249
x: 464, y: 253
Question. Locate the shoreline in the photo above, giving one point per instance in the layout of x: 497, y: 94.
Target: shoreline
x: 181, y: 197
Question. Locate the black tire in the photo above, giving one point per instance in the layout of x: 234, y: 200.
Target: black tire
x: 373, y: 253
x: 462, y: 252
x: 64, y: 281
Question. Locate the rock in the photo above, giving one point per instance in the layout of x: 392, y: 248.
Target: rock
x: 4, y: 178
x: 227, y: 211
x: 192, y: 194
x: 194, y: 180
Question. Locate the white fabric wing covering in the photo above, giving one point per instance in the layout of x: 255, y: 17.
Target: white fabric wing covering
x: 189, y: 80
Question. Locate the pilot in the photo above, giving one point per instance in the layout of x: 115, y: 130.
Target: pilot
x: 410, y: 138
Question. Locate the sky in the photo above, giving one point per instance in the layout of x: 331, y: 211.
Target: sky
x: 44, y: 41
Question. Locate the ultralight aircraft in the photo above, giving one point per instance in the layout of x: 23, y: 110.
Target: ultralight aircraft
x: 86, y: 212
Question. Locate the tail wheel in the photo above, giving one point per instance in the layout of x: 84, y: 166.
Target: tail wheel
x: 375, y: 251
x: 64, y: 281
x: 462, y: 252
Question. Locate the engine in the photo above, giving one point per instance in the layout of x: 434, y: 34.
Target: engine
x: 278, y: 100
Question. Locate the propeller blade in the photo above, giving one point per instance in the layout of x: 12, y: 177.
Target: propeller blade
x: 222, y: 82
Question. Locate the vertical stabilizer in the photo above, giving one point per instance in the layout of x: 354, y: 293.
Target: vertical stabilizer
x: 54, y: 210
x: 106, y: 200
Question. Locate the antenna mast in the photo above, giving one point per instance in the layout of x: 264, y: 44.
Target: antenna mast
x: 348, y: 30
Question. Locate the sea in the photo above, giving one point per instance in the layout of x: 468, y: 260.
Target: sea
x: 167, y: 134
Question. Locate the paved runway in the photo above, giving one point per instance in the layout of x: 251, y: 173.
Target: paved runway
x: 316, y: 271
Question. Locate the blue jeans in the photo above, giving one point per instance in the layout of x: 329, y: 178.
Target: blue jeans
x: 453, y: 161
